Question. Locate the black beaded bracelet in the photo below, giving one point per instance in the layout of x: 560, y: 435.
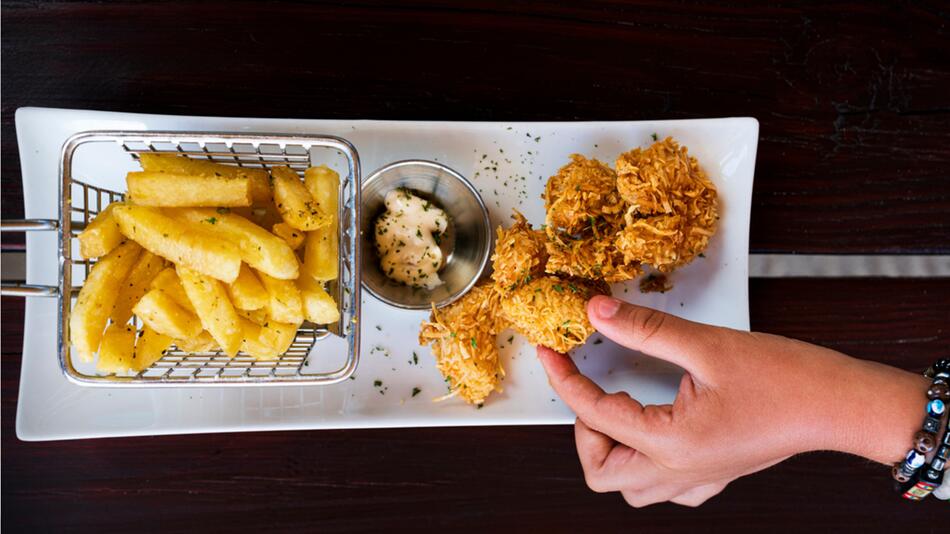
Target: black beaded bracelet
x: 916, y: 483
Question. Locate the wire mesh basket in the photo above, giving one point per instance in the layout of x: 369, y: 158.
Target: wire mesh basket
x: 80, y: 201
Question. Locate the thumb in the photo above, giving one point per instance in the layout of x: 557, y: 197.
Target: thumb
x: 685, y: 343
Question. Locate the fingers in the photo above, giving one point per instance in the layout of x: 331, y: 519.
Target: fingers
x: 612, y: 466
x: 646, y: 497
x: 615, y: 415
x: 685, y: 343
x: 700, y: 494
x: 592, y: 448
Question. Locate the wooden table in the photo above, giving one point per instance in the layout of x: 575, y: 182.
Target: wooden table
x: 854, y: 105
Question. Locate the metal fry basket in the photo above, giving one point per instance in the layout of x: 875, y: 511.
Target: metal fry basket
x: 80, y: 201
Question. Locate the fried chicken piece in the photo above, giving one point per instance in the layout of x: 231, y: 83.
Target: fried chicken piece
x: 463, y: 342
x: 519, y: 256
x: 550, y: 311
x: 581, y: 192
x: 594, y: 256
x: 673, y: 206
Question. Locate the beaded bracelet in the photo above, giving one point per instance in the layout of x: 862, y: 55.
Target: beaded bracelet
x: 916, y: 484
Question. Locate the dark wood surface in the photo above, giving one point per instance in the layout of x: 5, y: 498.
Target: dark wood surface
x: 854, y: 157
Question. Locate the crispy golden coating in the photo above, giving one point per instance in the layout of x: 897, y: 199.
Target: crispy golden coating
x: 462, y: 336
x: 550, y: 311
x: 595, y: 257
x: 673, y: 206
x: 581, y: 192
x: 519, y: 256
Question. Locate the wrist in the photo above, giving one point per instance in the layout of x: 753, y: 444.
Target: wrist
x: 880, y: 410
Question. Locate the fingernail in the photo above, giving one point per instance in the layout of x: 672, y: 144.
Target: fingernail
x: 607, y: 307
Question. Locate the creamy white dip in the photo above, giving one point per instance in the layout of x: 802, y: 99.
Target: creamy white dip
x: 406, y: 239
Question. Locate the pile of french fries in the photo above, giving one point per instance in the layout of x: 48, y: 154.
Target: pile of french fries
x: 208, y: 257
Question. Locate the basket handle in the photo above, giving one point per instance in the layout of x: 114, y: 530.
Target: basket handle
x: 28, y: 290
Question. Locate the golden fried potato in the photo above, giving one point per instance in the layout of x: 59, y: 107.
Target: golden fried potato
x: 157, y: 310
x: 318, y: 305
x: 169, y: 190
x: 581, y: 194
x: 115, y: 354
x: 549, y: 311
x: 291, y: 235
x: 247, y: 292
x: 97, y: 297
x: 323, y: 183
x: 259, y: 248
x: 203, y: 343
x: 258, y: 317
x: 180, y: 164
x: 673, y: 206
x: 268, y: 341
x: 321, y: 256
x: 296, y: 205
x: 135, y: 285
x: 217, y: 315
x: 101, y: 234
x: 183, y: 243
x: 463, y: 342
x: 168, y: 282
x: 284, y: 303
x: 175, y: 164
x: 519, y: 256
x: 149, y: 348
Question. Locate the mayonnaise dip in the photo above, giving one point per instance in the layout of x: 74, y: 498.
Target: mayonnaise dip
x: 407, y: 239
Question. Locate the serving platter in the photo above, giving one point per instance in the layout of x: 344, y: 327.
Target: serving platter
x: 509, y: 163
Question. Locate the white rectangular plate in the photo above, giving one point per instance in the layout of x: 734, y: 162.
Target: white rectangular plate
x: 713, y: 289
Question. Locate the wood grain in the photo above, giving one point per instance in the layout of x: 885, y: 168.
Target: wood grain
x: 501, y: 478
x: 853, y: 99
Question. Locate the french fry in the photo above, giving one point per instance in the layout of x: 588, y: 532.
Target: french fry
x: 288, y: 233
x: 175, y: 164
x: 170, y: 190
x: 97, y: 298
x: 278, y: 335
x: 266, y: 342
x: 182, y: 243
x: 323, y: 183
x: 318, y: 306
x: 258, y: 248
x: 295, y: 204
x: 246, y: 291
x: 217, y: 314
x: 203, y: 343
x: 321, y: 256
x: 157, y: 310
x: 284, y: 303
x: 135, y: 285
x: 115, y: 353
x: 263, y: 214
x: 258, y: 317
x: 320, y: 259
x: 101, y: 234
x: 149, y: 348
x: 167, y: 281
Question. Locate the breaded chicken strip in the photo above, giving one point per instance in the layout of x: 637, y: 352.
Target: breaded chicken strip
x: 592, y: 256
x: 519, y: 256
x: 550, y: 311
x: 673, y: 206
x: 463, y: 341
x: 581, y: 192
